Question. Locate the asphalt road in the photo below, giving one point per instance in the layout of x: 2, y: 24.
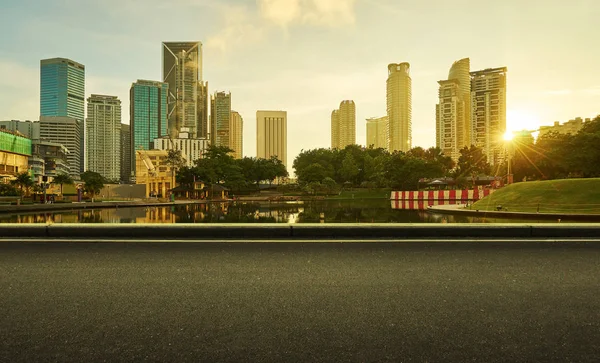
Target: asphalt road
x: 299, y: 302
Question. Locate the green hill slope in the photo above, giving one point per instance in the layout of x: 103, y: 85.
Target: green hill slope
x: 551, y: 196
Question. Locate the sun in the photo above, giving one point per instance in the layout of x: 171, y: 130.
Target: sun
x: 519, y: 120
x: 508, y: 135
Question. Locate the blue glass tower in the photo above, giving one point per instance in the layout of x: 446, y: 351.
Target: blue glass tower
x: 62, y: 88
x: 148, y: 114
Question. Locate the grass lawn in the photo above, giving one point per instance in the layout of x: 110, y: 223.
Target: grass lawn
x: 362, y: 194
x: 551, y: 196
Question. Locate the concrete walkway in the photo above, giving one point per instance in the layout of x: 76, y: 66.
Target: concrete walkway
x: 459, y: 209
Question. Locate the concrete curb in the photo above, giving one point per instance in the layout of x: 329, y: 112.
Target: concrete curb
x: 297, y: 231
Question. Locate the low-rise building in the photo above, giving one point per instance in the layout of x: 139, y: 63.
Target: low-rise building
x: 152, y: 169
x: 15, y: 151
x: 570, y: 127
x: 48, y: 159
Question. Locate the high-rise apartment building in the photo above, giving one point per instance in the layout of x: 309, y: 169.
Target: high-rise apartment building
x: 220, y: 118
x: 271, y: 135
x: 453, y: 112
x: 236, y: 133
x: 148, y: 115
x: 488, y: 112
x: 126, y: 153
x: 399, y: 107
x: 343, y: 125
x: 570, y: 127
x: 69, y: 132
x: 62, y: 88
x: 103, y: 143
x: 182, y: 70
x: 377, y: 132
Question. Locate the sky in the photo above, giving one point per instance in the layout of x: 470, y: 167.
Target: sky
x: 306, y: 56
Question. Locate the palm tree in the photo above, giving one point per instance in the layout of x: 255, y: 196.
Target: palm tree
x: 23, y: 181
x: 61, y: 179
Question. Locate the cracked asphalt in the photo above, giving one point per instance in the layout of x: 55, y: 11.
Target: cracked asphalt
x: 299, y: 302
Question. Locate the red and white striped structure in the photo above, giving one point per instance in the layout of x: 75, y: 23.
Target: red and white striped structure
x: 442, y: 195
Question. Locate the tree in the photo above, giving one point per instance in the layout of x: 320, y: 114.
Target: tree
x: 313, y: 174
x: 175, y: 161
x: 61, y: 179
x: 93, y: 182
x: 349, y: 170
x: 24, y: 182
x: 8, y: 190
x: 471, y: 163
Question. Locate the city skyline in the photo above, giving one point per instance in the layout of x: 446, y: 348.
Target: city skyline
x: 279, y: 44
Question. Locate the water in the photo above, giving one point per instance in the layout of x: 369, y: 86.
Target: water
x: 330, y: 211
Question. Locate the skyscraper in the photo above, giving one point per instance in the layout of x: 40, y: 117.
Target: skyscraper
x: 182, y: 70
x: 399, y: 107
x: 62, y: 88
x: 148, y: 113
x: 220, y: 118
x: 69, y: 132
x: 343, y: 125
x: 126, y: 153
x: 236, y: 139
x: 377, y: 132
x: 202, y: 130
x: 103, y: 126
x: 271, y: 135
x: 488, y: 111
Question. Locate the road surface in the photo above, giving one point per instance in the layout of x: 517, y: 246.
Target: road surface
x: 300, y: 302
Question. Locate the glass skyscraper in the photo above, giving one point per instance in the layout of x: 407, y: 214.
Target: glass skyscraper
x: 62, y: 88
x: 148, y: 114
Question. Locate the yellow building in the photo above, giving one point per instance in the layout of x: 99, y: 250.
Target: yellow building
x: 15, y: 151
x: 399, y: 107
x: 236, y: 133
x: 271, y: 135
x: 377, y: 132
x: 152, y: 170
x: 343, y: 125
x: 570, y: 127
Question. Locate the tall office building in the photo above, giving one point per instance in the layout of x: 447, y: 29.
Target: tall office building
x: 182, y: 70
x: 271, y: 135
x: 220, y: 118
x: 488, y: 112
x: 453, y: 125
x: 236, y: 139
x: 62, y: 88
x: 103, y: 143
x: 399, y: 107
x: 69, y: 132
x: 126, y: 153
x: 148, y: 115
x: 377, y: 132
x: 343, y: 125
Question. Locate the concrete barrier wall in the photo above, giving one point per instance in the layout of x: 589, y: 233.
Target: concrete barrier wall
x: 300, y: 231
x: 442, y: 195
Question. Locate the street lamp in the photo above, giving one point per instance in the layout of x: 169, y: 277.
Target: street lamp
x: 508, y: 140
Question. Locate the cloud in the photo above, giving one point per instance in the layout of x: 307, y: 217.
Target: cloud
x: 326, y: 13
x: 239, y: 28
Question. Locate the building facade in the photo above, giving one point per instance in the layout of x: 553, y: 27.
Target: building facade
x: 399, y: 107
x: 103, y: 144
x: 29, y: 129
x: 236, y: 135
x: 62, y: 88
x: 148, y: 115
x: 220, y: 118
x: 153, y: 171
x: 377, y: 132
x: 453, y: 111
x: 191, y: 149
x: 271, y: 135
x: 68, y: 132
x: 570, y: 127
x: 488, y: 112
x: 182, y: 70
x: 343, y: 125
x: 48, y: 159
x: 126, y: 154
x: 15, y: 151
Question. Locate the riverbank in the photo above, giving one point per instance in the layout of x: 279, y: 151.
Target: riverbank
x: 95, y: 205
x: 462, y: 210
